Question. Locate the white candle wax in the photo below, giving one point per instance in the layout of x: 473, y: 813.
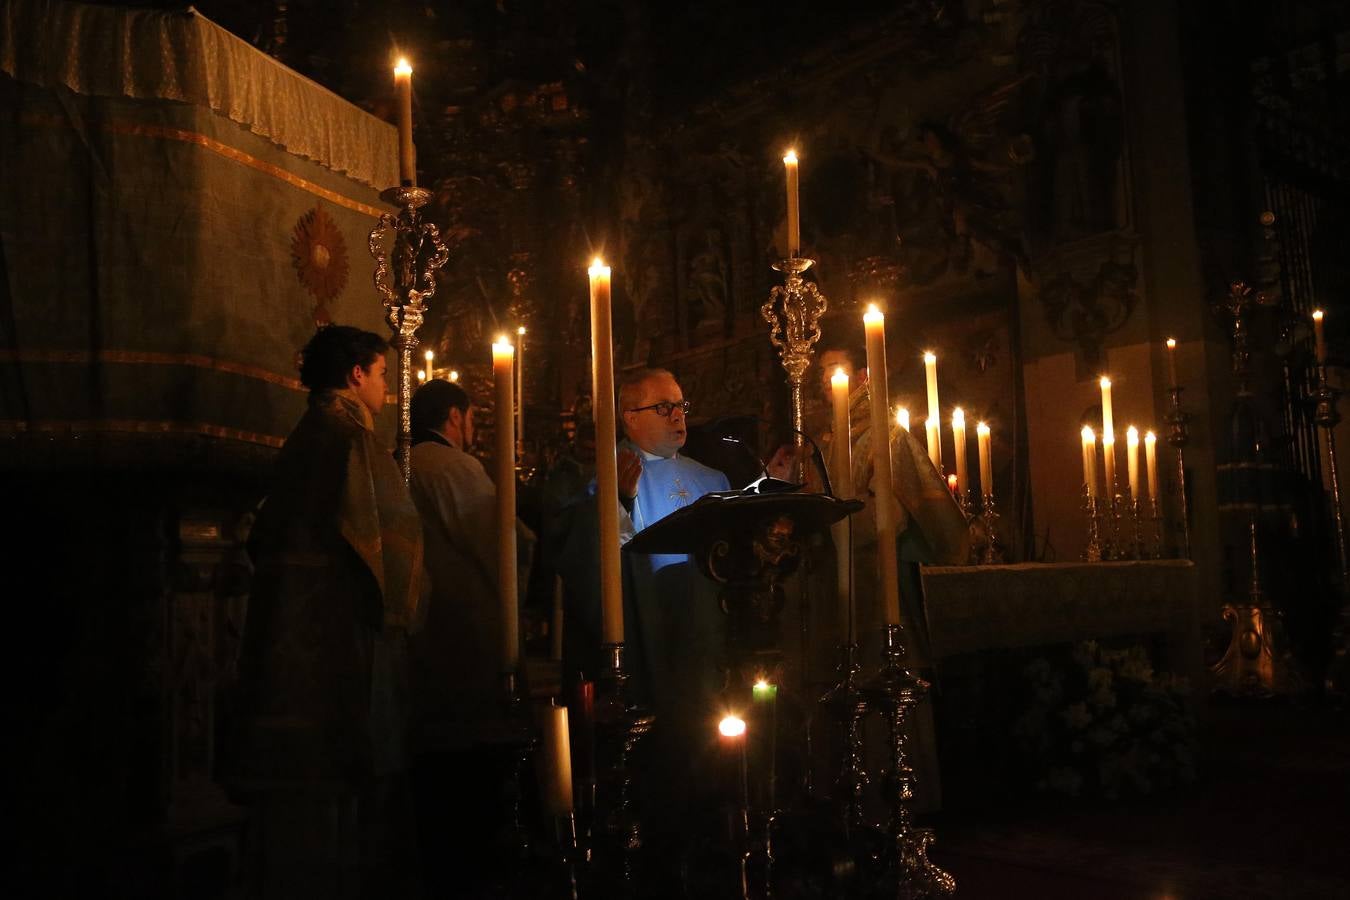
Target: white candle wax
x: 407, y: 167
x: 986, y: 458
x: 874, y: 324
x: 1090, y: 460
x: 841, y: 456
x: 959, y: 443
x: 503, y: 355
x: 1132, y: 460
x: 1151, y: 464
x: 794, y: 225
x: 606, y: 464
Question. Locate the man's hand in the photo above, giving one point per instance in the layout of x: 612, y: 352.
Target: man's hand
x: 780, y: 466
x: 630, y: 470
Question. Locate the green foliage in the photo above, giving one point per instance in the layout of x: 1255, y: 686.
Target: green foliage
x: 1102, y: 723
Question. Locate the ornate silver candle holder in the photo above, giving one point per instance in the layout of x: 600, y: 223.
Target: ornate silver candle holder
x: 619, y: 726
x: 848, y: 706
x: 1136, y: 550
x: 1327, y: 417
x: 895, y: 692
x: 1155, y: 529
x: 993, y: 548
x: 793, y: 313
x: 1179, y: 436
x: 1093, y: 507
x: 414, y: 255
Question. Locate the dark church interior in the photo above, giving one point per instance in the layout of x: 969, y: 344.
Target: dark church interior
x: 441, y: 446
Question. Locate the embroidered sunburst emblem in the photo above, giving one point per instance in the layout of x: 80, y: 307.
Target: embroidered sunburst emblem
x: 319, y: 254
x: 679, y: 492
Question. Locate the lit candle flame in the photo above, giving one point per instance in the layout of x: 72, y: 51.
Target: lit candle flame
x: 959, y: 417
x: 762, y: 683
x: 1105, y: 382
x: 731, y: 726
x: 1317, y: 315
x: 840, y: 377
x: 454, y: 375
x: 598, y: 267
x: 873, y: 314
x: 1171, y: 343
x: 520, y: 330
x: 902, y: 417
x: 1089, y: 436
x: 402, y: 67
x: 421, y: 376
x: 929, y: 356
x: 429, y: 355
x: 790, y: 157
x: 1131, y: 436
x: 981, y: 428
x: 1150, y: 437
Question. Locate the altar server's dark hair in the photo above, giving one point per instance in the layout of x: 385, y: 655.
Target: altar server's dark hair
x: 432, y: 402
x: 330, y: 355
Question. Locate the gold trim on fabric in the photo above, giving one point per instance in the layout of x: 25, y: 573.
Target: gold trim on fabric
x: 138, y: 129
x: 138, y: 426
x: 149, y: 357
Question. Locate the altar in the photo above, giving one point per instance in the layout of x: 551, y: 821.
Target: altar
x: 1028, y: 605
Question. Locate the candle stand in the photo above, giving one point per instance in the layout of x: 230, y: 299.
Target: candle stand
x: 1179, y: 436
x: 894, y: 691
x: 1093, y: 551
x: 1327, y: 417
x: 568, y: 851
x: 515, y: 739
x: 619, y: 726
x: 405, y: 276
x: 1136, y: 529
x: 847, y: 705
x: 793, y: 313
x: 993, y: 548
x: 1155, y: 529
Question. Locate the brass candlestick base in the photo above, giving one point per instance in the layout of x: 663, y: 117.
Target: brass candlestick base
x: 619, y: 726
x: 1136, y: 529
x: 414, y: 255
x: 848, y: 706
x: 895, y: 692
x: 1155, y: 529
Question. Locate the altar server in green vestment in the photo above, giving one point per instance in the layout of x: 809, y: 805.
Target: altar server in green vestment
x: 319, y: 740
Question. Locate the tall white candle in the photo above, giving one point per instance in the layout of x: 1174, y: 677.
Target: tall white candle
x: 959, y: 443
x: 1132, y: 460
x: 794, y: 225
x: 1172, y: 362
x: 429, y: 357
x: 407, y: 167
x: 1090, y: 460
x: 1151, y: 464
x: 874, y: 324
x: 555, y: 760
x: 934, y: 411
x: 520, y: 388
x: 842, y: 478
x: 606, y: 463
x: 932, y: 430
x: 986, y: 459
x: 503, y: 355
x: 1108, y: 438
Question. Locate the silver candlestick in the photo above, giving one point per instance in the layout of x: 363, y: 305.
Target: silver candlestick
x: 414, y: 255
x: 1327, y: 417
x: 993, y: 549
x: 1155, y: 530
x: 1093, y: 551
x: 1179, y: 436
x: 793, y: 313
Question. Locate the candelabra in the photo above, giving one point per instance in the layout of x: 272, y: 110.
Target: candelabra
x: 895, y: 691
x: 793, y: 313
x: 1093, y: 551
x: 620, y: 725
x: 414, y: 255
x: 516, y: 739
x: 1179, y: 436
x: 1327, y: 418
x: 993, y: 550
x: 845, y: 701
